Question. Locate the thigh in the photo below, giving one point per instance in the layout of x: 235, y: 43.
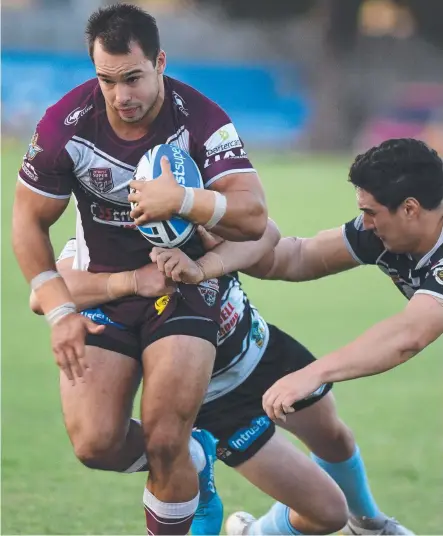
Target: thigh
x: 280, y: 470
x: 237, y: 419
x: 321, y: 430
x: 103, y: 402
x: 176, y: 373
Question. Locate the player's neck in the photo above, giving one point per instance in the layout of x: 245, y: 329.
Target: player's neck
x: 135, y: 131
x: 434, y: 229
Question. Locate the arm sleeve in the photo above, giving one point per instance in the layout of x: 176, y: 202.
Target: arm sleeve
x: 219, y: 149
x: 362, y: 244
x: 433, y: 284
x: 47, y: 168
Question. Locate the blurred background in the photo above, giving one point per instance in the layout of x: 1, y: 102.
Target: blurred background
x: 329, y: 75
x: 307, y: 83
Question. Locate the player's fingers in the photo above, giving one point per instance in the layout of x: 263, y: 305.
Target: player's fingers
x: 136, y: 212
x: 134, y: 196
x: 155, y: 252
x: 72, y: 358
x: 278, y: 410
x: 170, y: 264
x: 287, y: 407
x: 80, y: 356
x: 162, y: 258
x: 165, y: 165
x: 137, y: 185
x: 142, y: 219
x: 64, y: 365
x: 268, y: 401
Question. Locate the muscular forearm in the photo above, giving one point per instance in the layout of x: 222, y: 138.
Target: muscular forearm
x: 90, y: 290
x: 236, y: 256
x: 383, y: 347
x: 245, y: 217
x: 35, y: 255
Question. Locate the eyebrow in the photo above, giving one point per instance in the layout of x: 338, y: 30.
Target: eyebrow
x: 125, y: 75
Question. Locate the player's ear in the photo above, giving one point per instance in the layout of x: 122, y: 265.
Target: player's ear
x: 161, y: 62
x: 411, y: 207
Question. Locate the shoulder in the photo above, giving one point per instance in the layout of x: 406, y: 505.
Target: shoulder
x: 66, y: 117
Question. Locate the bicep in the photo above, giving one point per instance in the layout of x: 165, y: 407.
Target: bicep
x: 305, y: 259
x: 425, y: 314
x: 240, y: 182
x: 29, y: 205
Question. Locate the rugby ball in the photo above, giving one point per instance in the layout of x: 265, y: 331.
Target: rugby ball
x: 175, y: 232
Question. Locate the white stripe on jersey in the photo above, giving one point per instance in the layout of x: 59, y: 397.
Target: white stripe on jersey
x: 82, y: 258
x: 180, y: 139
x: 228, y: 379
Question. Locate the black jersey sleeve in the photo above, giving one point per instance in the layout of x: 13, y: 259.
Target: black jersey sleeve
x: 433, y: 283
x: 362, y: 244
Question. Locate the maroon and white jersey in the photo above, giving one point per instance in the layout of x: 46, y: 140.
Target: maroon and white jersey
x: 74, y: 151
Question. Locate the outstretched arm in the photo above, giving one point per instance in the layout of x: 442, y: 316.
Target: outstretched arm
x: 382, y: 347
x: 305, y: 259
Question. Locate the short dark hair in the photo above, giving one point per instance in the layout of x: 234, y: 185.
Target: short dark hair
x: 397, y: 169
x: 118, y: 25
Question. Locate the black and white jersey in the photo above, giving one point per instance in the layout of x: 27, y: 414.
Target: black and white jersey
x: 410, y: 276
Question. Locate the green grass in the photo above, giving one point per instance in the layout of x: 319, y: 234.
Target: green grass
x: 396, y: 417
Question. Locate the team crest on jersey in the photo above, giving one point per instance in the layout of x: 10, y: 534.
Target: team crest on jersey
x: 33, y: 148
x: 209, y: 290
x: 257, y: 333
x: 161, y: 303
x: 101, y: 179
x: 437, y: 272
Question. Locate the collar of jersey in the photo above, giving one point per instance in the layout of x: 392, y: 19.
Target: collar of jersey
x: 425, y: 259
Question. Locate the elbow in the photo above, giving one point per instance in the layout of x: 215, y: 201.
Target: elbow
x: 257, y: 222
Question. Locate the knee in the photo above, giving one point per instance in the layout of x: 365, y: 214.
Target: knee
x: 95, y: 447
x: 334, y: 515
x: 166, y: 443
x: 342, y: 438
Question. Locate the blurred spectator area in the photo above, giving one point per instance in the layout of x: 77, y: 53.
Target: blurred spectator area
x: 315, y: 74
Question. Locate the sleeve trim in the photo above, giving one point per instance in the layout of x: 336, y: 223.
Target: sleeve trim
x: 349, y: 247
x: 46, y: 194
x: 229, y: 172
x: 436, y: 295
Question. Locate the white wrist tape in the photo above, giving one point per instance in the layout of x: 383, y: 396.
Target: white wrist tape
x: 43, y: 278
x: 59, y: 312
x: 219, y: 210
x: 188, y: 202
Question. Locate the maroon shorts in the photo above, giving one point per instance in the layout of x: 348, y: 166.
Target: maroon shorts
x: 133, y: 323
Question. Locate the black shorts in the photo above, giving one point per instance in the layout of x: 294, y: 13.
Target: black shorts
x: 132, y: 340
x: 237, y: 419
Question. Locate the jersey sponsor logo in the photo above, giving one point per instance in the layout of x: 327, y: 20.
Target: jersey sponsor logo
x: 243, y: 438
x: 29, y: 170
x: 208, y: 291
x: 118, y: 217
x: 99, y: 317
x: 228, y: 319
x: 437, y: 272
x: 33, y: 148
x: 101, y: 179
x: 228, y: 155
x: 179, y: 167
x: 180, y: 103
x: 224, y: 139
x: 223, y: 453
x: 161, y: 304
x: 74, y: 117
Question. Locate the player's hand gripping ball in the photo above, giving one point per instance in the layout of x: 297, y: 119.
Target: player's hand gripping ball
x: 175, y: 231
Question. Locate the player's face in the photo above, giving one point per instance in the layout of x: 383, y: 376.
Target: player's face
x: 130, y: 83
x: 399, y: 230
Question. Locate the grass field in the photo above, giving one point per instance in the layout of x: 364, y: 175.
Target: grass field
x: 396, y: 417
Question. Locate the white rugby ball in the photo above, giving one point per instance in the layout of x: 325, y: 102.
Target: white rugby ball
x: 177, y: 231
